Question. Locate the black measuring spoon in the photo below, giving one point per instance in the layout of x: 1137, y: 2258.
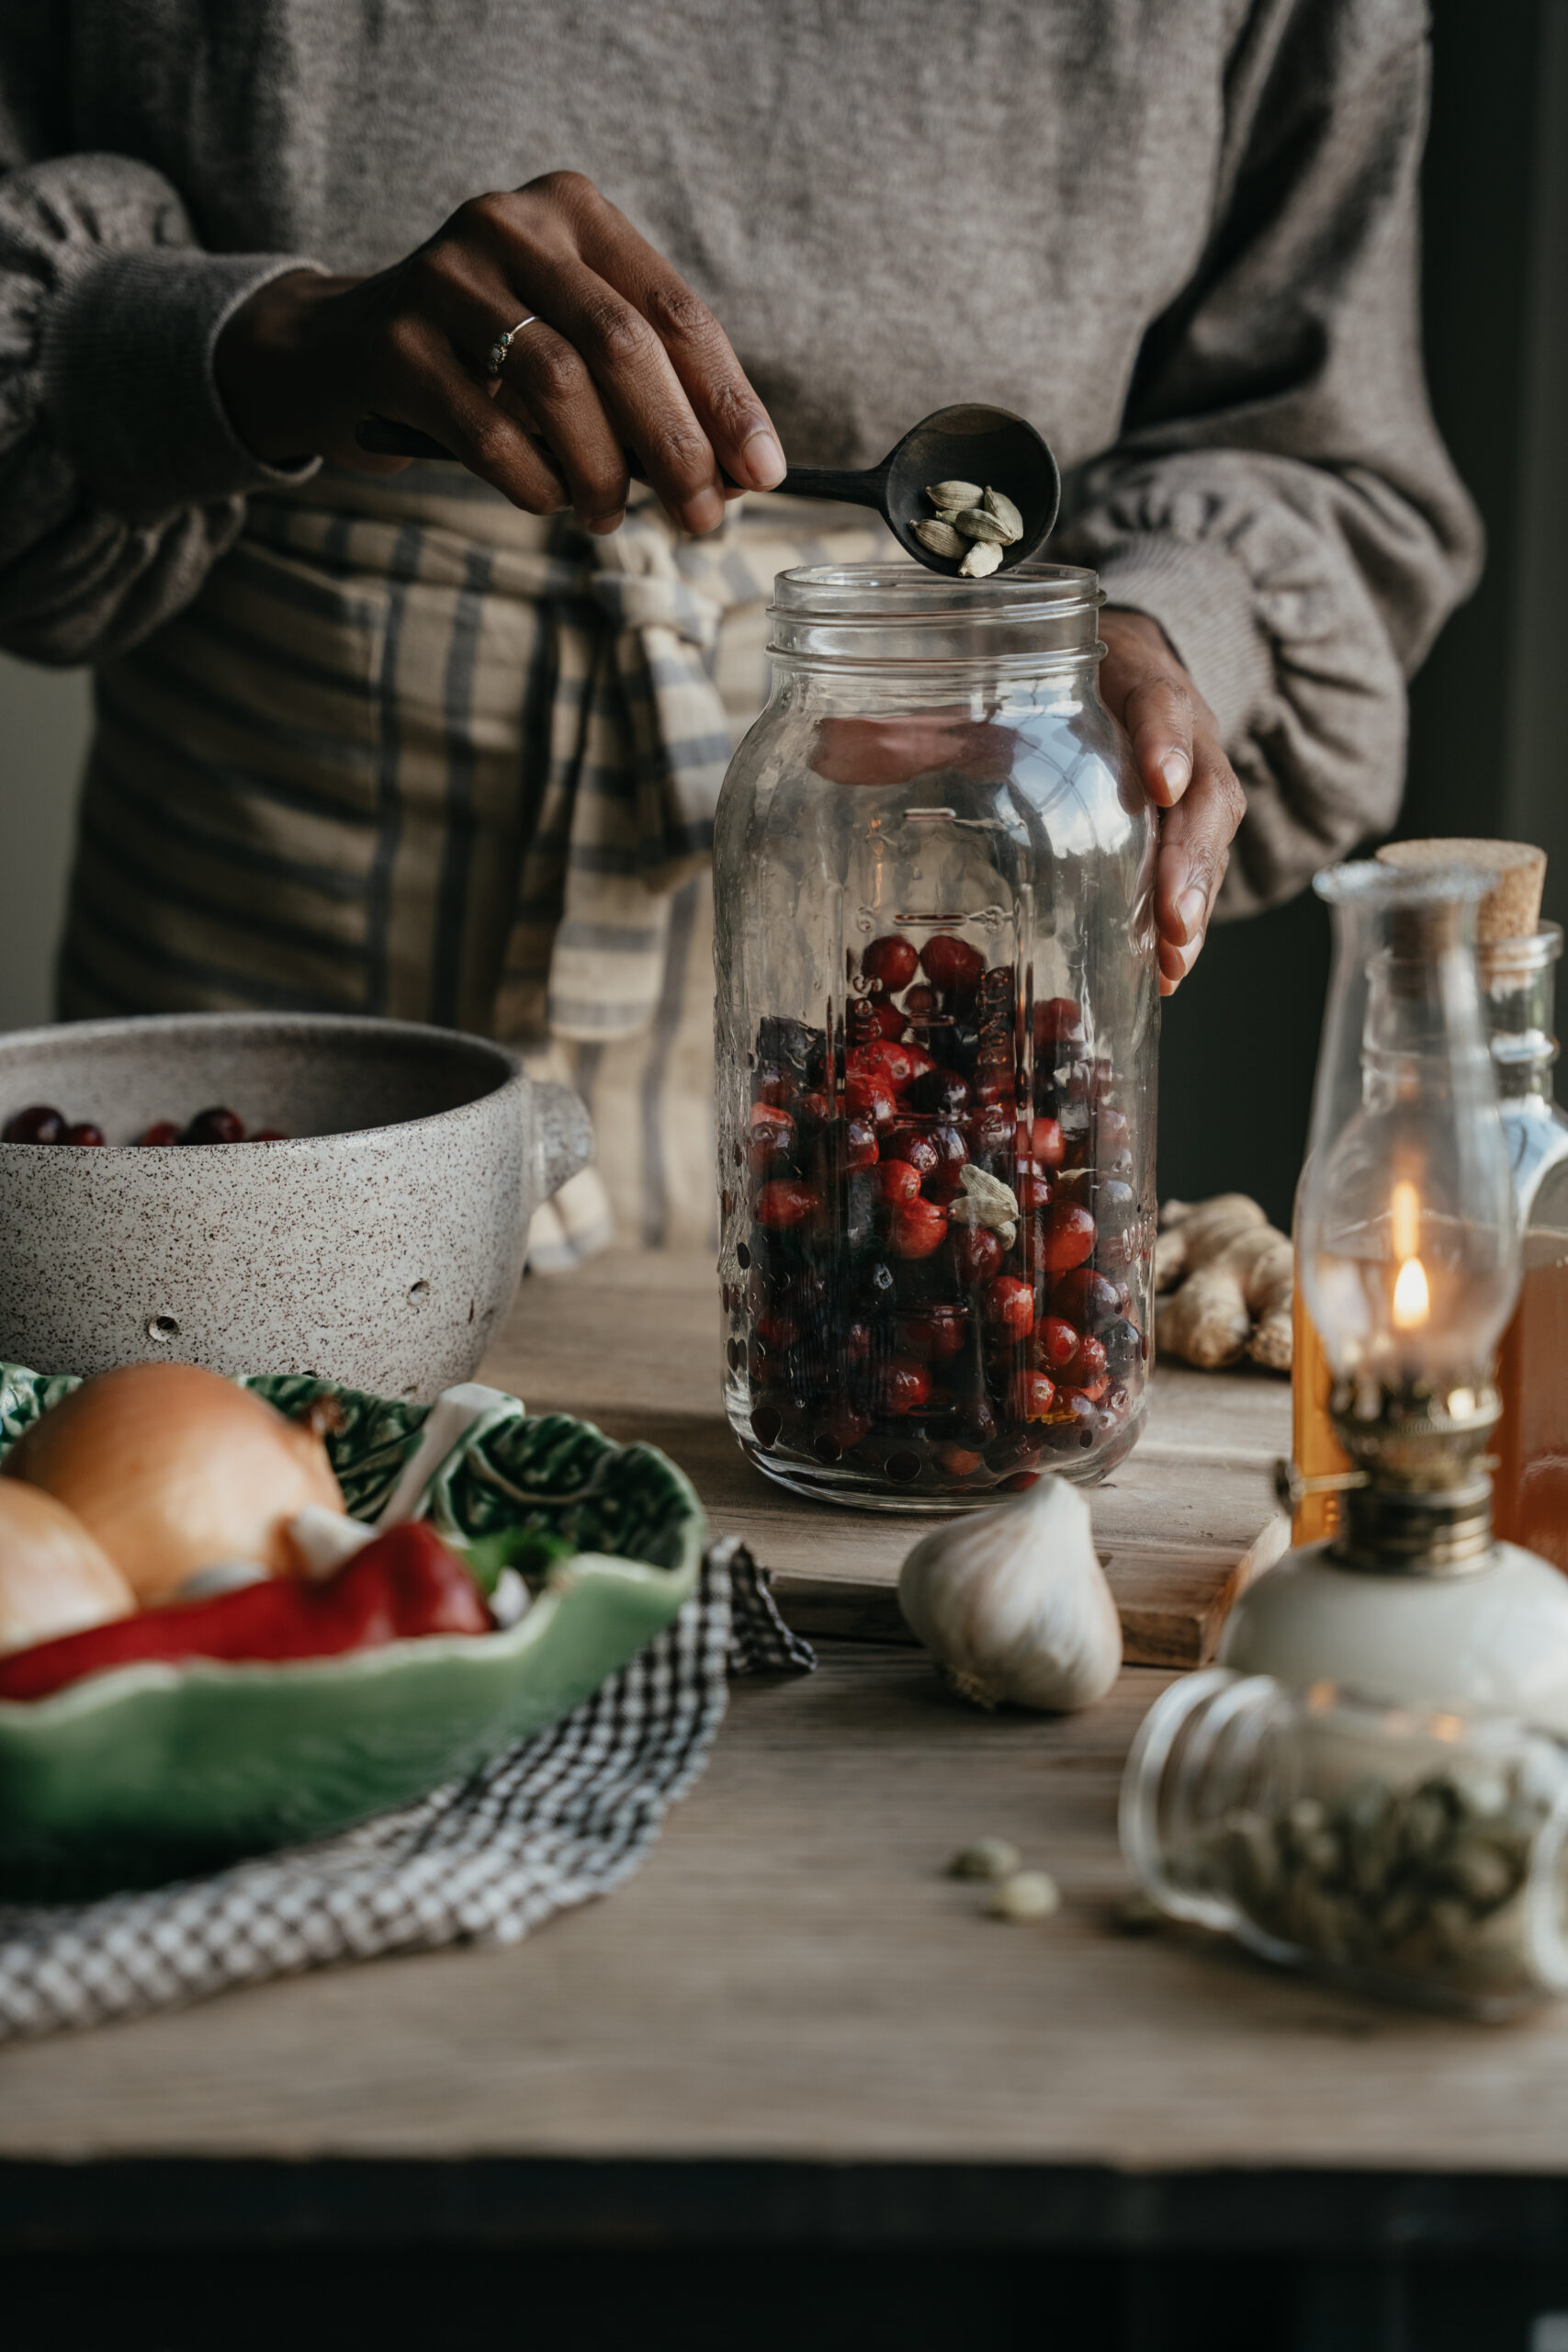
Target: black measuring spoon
x: 985, y: 446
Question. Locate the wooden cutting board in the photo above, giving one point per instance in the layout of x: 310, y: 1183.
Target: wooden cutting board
x: 632, y: 1343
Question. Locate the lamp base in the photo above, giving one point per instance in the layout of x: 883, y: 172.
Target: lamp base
x: 1493, y: 1641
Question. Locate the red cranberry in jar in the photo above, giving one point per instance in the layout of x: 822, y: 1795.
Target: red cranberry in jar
x: 934, y: 1333
x: 813, y: 1112
x: 990, y: 1132
x: 951, y: 965
x: 913, y: 1146
x: 1058, y: 1022
x: 978, y: 1253
x: 953, y: 1157
x: 921, y: 1065
x: 1044, y: 1143
x: 959, y: 1462
x: 1084, y: 1366
x: 868, y: 1098
x: 896, y: 1181
x: 215, y: 1125
x: 1033, y: 1193
x: 890, y: 963
x: 1055, y: 1343
x: 1032, y: 1396
x: 919, y: 1003
x: 1085, y: 1299
x: 39, y: 1123
x: 772, y: 1137
x: 886, y: 1061
x: 1009, y: 1307
x: 783, y: 1204
x: 161, y: 1131
x: 917, y: 1227
x: 83, y: 1132
x: 270, y: 1134
x: 773, y: 1082
x: 1093, y: 1389
x: 1066, y: 1236
x: 900, y: 1386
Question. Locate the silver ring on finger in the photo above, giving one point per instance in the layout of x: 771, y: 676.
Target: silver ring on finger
x: 495, y: 357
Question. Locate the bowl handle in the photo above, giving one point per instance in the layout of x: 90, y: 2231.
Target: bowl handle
x: 563, y: 1137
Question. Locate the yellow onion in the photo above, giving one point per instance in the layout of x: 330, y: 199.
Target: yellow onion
x: 54, y: 1578
x: 170, y: 1468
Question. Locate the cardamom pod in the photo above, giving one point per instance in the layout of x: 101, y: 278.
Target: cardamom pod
x: 976, y: 524
x: 942, y: 538
x: 954, y: 494
x: 982, y: 558
x: 1006, y: 514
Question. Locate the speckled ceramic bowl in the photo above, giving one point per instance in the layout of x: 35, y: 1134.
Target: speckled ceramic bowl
x: 379, y: 1246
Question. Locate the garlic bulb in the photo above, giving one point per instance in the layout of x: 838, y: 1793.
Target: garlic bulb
x: 1012, y: 1602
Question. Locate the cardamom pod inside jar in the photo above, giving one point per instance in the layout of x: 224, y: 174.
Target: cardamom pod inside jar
x: 937, y: 1031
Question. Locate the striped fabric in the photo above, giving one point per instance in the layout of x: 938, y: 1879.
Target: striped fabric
x: 412, y: 753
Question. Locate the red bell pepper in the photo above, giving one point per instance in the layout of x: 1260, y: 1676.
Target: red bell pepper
x: 404, y: 1584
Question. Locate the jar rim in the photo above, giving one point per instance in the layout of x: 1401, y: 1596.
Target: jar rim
x: 873, y: 595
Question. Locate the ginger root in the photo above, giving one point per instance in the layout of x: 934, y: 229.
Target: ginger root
x: 1235, y: 1272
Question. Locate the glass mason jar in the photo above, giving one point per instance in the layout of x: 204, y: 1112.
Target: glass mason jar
x: 937, y: 1028
x: 1420, y: 1855
x: 1530, y: 1486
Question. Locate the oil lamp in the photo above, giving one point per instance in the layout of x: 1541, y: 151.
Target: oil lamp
x: 1408, y: 1258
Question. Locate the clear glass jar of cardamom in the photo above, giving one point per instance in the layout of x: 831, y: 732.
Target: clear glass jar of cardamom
x: 1415, y: 1855
x: 937, y: 1029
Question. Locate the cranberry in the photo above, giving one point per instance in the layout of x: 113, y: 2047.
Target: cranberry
x: 857, y: 1342
x: 952, y: 1157
x: 773, y: 1082
x: 1045, y: 1144
x: 958, y: 1461
x: 897, y: 1181
x: 911, y: 1144
x: 813, y: 1112
x: 860, y: 1144
x: 1033, y: 1193
x: 891, y: 1063
x: 1057, y: 1021
x: 1073, y: 1424
x: 1009, y: 1306
x: 919, y: 1003
x: 785, y: 1203
x: 977, y: 1423
x: 83, y: 1132
x: 1085, y: 1299
x: 935, y: 1333
x: 868, y: 1098
x: 773, y: 1133
x: 161, y: 1131
x: 39, y: 1123
x: 1093, y: 1389
x: 839, y: 1430
x: 951, y: 964
x: 1017, y: 1451
x: 777, y: 1330
x: 990, y: 1130
x: 890, y: 962
x: 917, y: 1227
x: 1066, y: 1236
x: 900, y: 1386
x: 268, y: 1135
x: 939, y: 1093
x: 1056, y: 1344
x: 214, y: 1126
x: 1019, y: 1482
x: 978, y: 1253
x: 921, y: 1065
x: 1085, y: 1367
x: 1032, y: 1395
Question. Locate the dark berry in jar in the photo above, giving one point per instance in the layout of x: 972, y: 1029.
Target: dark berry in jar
x: 1087, y: 1299
x: 900, y: 1385
x: 935, y: 1333
x: 1066, y: 1236
x: 953, y: 1157
x: 978, y: 1253
x: 1115, y: 1206
x: 951, y: 965
x: 990, y: 1131
x: 860, y: 1144
x: 83, y: 1132
x: 214, y: 1126
x: 161, y: 1131
x: 794, y: 1043
x: 1124, y: 1345
x: 1073, y: 1424
x: 1018, y: 1450
x: 897, y: 1179
x: 772, y: 1135
x: 813, y: 1112
x: 39, y: 1123
x: 976, y: 1422
x: 919, y: 1003
x: 784, y: 1203
x: 921, y: 1065
x: 1055, y: 1343
x: 870, y: 1098
x: 939, y: 1093
x: 1009, y: 1307
x: 912, y: 1145
x: 1033, y: 1397
x: 270, y: 1134
x: 890, y: 962
x: 917, y: 1227
x: 771, y: 1082
x: 1057, y: 1021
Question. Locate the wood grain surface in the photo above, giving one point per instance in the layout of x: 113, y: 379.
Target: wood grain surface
x: 1181, y: 1525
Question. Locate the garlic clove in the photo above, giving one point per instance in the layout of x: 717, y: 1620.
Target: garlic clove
x: 1013, y: 1603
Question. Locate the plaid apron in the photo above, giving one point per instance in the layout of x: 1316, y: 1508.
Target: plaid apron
x: 412, y: 753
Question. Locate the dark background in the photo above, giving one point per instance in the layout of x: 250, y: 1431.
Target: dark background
x: 1240, y: 1036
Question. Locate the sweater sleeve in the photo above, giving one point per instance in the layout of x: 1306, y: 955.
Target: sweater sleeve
x: 121, y: 480
x: 1279, y: 500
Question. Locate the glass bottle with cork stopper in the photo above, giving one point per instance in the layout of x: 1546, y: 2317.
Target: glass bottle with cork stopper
x: 1517, y: 957
x: 1409, y: 1261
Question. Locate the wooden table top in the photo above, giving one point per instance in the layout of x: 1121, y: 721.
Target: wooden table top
x: 791, y: 1982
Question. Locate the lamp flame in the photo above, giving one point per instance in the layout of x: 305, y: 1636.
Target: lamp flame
x: 1412, y: 1300
x: 1405, y: 1220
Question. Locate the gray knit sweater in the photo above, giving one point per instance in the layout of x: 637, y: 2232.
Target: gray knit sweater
x: 1179, y: 235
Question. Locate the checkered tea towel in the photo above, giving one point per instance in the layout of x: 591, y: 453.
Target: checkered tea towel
x: 561, y: 1817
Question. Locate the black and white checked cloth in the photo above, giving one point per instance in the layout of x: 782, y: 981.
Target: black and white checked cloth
x: 561, y: 1817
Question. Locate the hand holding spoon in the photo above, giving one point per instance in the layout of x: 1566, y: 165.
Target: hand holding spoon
x: 967, y: 443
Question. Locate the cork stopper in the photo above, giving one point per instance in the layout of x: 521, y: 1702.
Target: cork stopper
x: 1511, y: 909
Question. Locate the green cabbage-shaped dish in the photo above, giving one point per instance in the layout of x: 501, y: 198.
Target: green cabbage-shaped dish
x: 153, y: 1771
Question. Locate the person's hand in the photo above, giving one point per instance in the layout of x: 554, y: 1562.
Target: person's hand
x: 1184, y: 770
x: 621, y: 354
